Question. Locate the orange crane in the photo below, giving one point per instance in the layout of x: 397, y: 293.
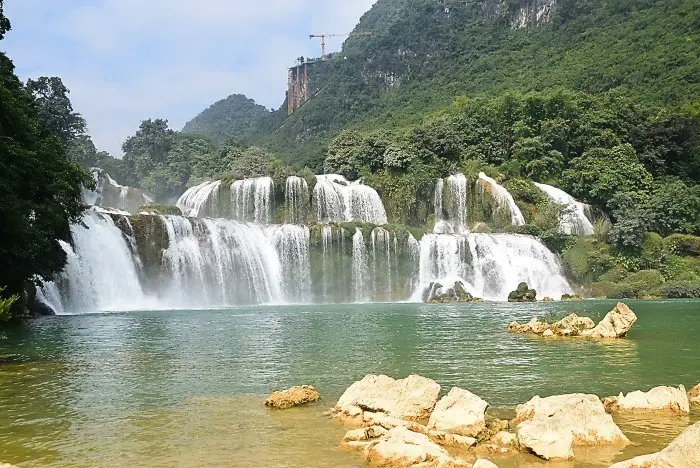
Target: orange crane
x: 324, y: 36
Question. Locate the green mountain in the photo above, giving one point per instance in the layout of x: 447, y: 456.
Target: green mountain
x: 233, y: 117
x: 422, y: 54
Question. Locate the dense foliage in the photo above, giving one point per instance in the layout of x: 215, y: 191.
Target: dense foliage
x: 41, y: 186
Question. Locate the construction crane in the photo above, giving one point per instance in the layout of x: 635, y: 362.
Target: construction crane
x: 324, y: 36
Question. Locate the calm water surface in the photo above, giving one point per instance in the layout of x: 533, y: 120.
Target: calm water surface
x: 186, y: 387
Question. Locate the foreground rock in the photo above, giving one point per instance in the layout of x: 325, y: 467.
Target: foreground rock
x: 482, y: 463
x: 523, y: 294
x: 694, y: 395
x: 659, y: 399
x: 402, y: 447
x: 616, y: 324
x: 7, y: 465
x: 683, y: 452
x: 412, y: 398
x: 295, y: 396
x: 459, y: 412
x: 551, y: 427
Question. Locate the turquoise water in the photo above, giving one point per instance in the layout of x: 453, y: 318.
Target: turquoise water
x: 186, y: 387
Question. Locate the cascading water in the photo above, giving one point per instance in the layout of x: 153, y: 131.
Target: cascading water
x: 451, y: 217
x: 383, y: 255
x: 360, y: 274
x: 102, y: 271
x: 252, y: 200
x: 573, y: 220
x: 296, y: 199
x: 195, y: 201
x: 337, y: 200
x: 292, y: 245
x: 218, y: 262
x: 490, y: 266
x: 503, y: 201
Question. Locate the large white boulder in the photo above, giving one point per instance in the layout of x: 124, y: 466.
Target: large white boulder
x: 459, y: 412
x: 659, y: 399
x: 412, y: 398
x: 683, y: 452
x: 402, y: 447
x: 616, y: 324
x: 483, y: 463
x: 551, y: 427
x: 694, y: 395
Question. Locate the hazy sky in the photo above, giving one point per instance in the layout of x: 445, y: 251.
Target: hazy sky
x: 128, y: 60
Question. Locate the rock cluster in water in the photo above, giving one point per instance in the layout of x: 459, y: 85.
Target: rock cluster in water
x: 405, y: 423
x: 523, y: 294
x: 295, y: 396
x: 694, y: 395
x: 659, y: 399
x: 437, y: 294
x: 616, y: 324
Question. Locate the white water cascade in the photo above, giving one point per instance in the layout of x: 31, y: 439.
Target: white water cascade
x: 296, y: 199
x: 490, y: 266
x: 292, y: 245
x: 195, y: 201
x: 102, y: 272
x: 573, y: 220
x: 338, y: 200
x: 252, y: 200
x: 360, y: 270
x: 456, y: 207
x: 504, y: 203
x: 218, y: 262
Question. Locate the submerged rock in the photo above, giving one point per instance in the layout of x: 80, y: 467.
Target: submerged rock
x: 412, y: 398
x: 436, y: 294
x: 523, y: 294
x: 684, y: 451
x: 402, y: 447
x: 694, y: 395
x: 295, y: 396
x: 659, y: 399
x: 551, y: 427
x: 616, y: 324
x: 459, y: 412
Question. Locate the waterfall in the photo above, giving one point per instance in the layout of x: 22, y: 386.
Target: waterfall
x: 292, y: 245
x: 111, y: 195
x: 252, y: 200
x: 296, y: 199
x: 338, y: 200
x: 360, y: 275
x: 573, y: 220
x: 196, y: 201
x: 218, y: 262
x: 101, y: 273
x: 455, y: 208
x: 490, y: 266
x: 503, y: 201
x: 383, y: 263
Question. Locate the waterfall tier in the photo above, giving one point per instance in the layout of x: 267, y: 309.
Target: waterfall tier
x: 144, y: 262
x: 575, y: 216
x: 338, y: 200
x: 499, y: 200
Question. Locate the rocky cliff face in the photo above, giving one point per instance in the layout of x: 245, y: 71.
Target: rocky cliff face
x: 521, y: 14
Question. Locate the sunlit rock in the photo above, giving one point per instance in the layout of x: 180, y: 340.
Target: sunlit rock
x: 483, y: 463
x: 412, y: 398
x: 683, y: 452
x: 295, y: 396
x: 658, y: 399
x: 401, y: 447
x: 459, y: 412
x: 551, y: 427
x: 616, y: 324
x: 694, y: 395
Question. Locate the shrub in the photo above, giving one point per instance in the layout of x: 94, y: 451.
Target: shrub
x: 681, y: 290
x: 6, y: 306
x: 683, y: 245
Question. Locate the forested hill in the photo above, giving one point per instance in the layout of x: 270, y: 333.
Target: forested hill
x: 424, y: 53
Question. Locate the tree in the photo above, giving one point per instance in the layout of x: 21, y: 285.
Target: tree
x: 41, y: 187
x: 55, y: 109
